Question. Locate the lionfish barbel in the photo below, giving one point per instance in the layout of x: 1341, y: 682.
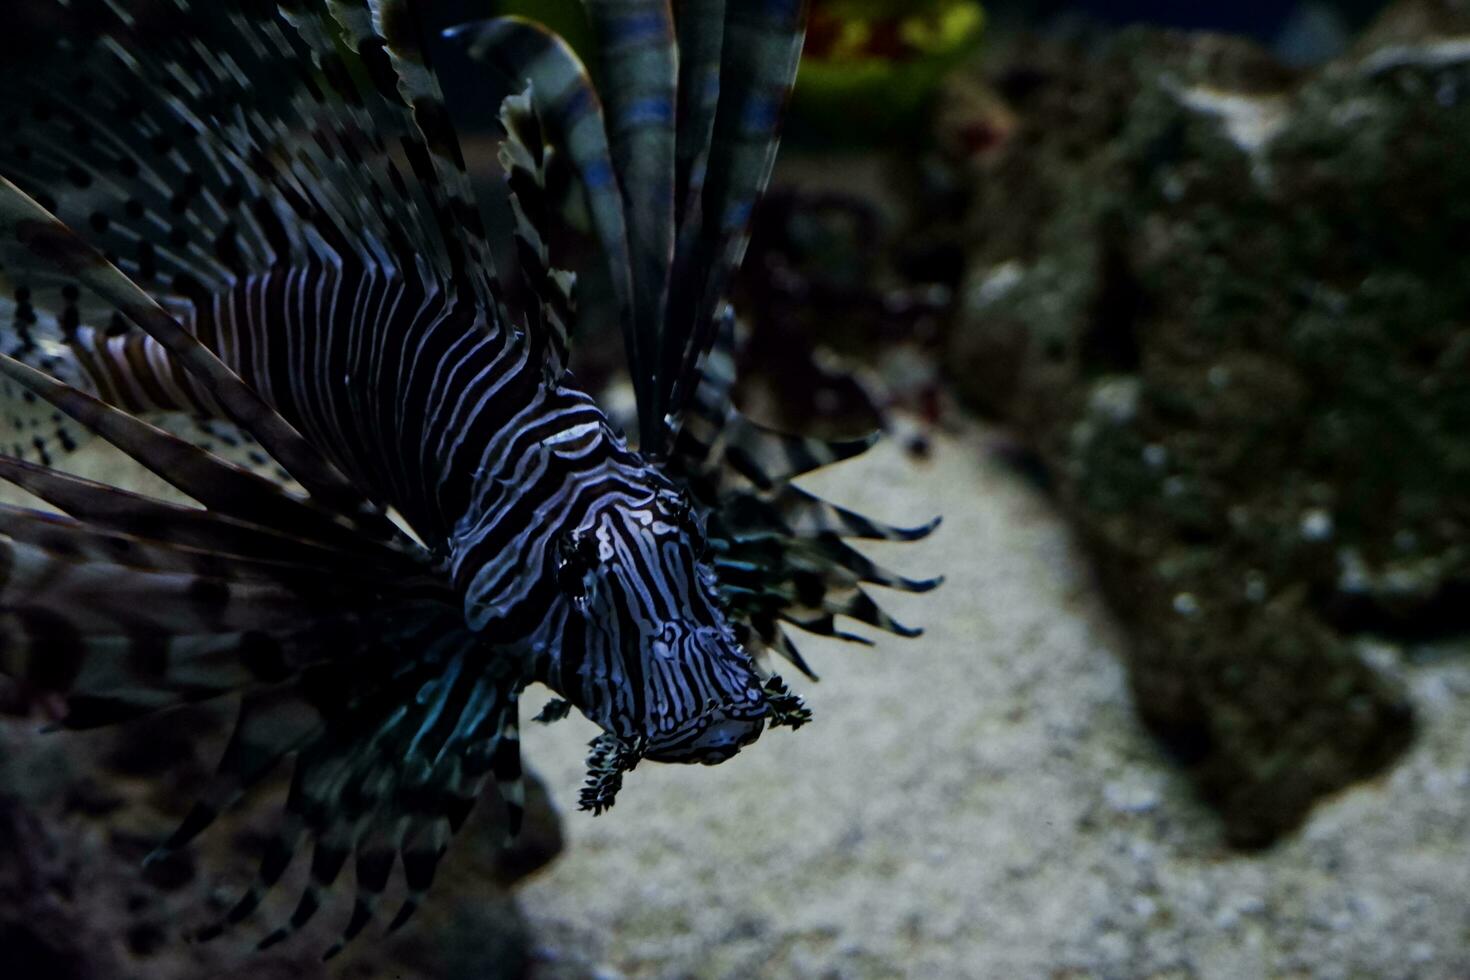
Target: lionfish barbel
x: 256, y: 217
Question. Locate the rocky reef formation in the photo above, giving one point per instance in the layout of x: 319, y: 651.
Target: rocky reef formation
x: 1228, y: 306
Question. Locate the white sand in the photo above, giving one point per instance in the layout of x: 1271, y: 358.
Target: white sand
x: 981, y: 802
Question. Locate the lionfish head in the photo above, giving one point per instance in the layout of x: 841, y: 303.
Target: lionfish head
x: 647, y: 652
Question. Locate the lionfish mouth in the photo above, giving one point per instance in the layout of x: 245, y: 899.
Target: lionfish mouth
x: 715, y: 738
x: 719, y: 733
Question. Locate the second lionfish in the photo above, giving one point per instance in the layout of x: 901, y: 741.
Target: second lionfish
x: 257, y: 216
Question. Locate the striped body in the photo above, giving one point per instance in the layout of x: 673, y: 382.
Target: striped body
x: 262, y: 219
x: 448, y: 418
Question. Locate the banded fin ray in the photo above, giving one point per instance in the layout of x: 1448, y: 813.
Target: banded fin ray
x: 119, y: 639
x: 435, y: 155
x: 218, y: 485
x: 78, y: 540
x: 781, y: 551
x: 527, y: 159
x: 123, y: 512
x: 640, y: 78
x: 767, y: 457
x: 701, y: 30
x: 35, y: 230
x: 571, y: 113
x: 761, y: 45
x: 384, y: 773
x: 194, y: 191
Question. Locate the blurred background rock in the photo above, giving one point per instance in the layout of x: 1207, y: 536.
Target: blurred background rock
x: 1220, y: 300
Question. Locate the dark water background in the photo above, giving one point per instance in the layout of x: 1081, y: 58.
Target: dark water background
x: 1304, y: 32
x: 1264, y: 19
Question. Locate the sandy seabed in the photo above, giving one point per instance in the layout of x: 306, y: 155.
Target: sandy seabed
x: 982, y: 802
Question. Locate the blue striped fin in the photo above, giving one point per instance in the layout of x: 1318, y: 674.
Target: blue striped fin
x: 762, y: 47
x: 389, y: 762
x: 639, y: 77
x: 698, y: 431
x: 192, y: 192
x: 392, y: 27
x: 218, y: 485
x: 348, y: 171
x: 122, y: 512
x: 571, y: 112
x: 360, y: 124
x: 46, y: 240
x: 701, y: 45
x: 701, y: 49
x: 527, y: 158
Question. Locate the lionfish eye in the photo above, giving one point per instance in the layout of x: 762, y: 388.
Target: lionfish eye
x: 576, y: 555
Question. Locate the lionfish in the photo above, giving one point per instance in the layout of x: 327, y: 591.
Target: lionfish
x: 257, y: 217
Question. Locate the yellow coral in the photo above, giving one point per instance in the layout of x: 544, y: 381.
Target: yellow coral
x: 944, y: 29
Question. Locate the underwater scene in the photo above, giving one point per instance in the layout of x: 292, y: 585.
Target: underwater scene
x: 722, y: 489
